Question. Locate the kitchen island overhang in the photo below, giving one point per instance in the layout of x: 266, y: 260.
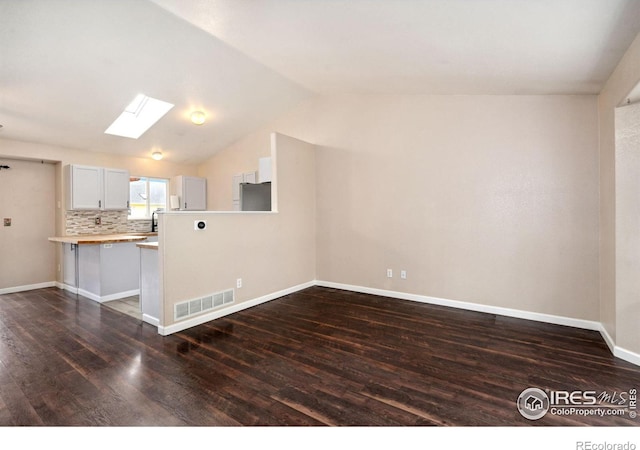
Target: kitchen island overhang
x: 101, y: 267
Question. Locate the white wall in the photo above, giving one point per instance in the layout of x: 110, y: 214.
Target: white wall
x: 628, y: 227
x: 619, y: 85
x: 271, y: 252
x: 27, y: 197
x: 485, y: 199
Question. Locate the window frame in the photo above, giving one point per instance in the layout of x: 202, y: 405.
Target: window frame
x: 148, y: 205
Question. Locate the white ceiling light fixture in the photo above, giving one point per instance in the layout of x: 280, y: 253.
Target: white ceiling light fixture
x: 140, y: 115
x: 198, y: 117
x: 157, y: 156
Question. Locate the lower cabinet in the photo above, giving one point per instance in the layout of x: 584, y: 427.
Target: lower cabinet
x: 106, y: 271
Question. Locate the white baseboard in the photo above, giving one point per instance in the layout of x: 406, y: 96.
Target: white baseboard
x: 498, y: 310
x: 110, y: 297
x: 179, y: 326
x: 150, y: 320
x: 96, y: 297
x: 27, y: 287
x: 119, y: 295
x: 629, y: 356
x: 617, y: 351
x: 607, y: 338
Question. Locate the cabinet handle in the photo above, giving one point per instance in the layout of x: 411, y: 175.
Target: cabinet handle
x: 127, y: 203
x: 185, y: 205
x: 99, y: 203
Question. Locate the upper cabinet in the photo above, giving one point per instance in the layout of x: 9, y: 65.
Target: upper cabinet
x: 264, y: 170
x: 84, y: 187
x: 96, y: 188
x: 116, y: 189
x: 192, y: 192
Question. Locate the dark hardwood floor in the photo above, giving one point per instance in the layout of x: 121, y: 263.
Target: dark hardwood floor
x: 317, y: 357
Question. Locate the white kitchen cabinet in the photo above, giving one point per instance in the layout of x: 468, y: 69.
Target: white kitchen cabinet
x: 84, y: 187
x: 102, y: 272
x: 235, y: 189
x: 96, y: 188
x: 264, y: 170
x: 116, y: 189
x: 192, y: 192
x: 249, y: 177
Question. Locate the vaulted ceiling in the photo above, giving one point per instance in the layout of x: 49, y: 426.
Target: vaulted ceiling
x: 69, y: 67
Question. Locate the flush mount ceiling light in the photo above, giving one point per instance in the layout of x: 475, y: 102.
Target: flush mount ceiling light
x: 138, y: 117
x: 197, y: 117
x: 157, y: 156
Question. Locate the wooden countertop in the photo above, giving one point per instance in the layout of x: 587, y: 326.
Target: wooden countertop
x: 99, y: 239
x: 149, y: 245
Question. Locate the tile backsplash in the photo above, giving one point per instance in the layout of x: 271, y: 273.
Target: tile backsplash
x: 111, y: 222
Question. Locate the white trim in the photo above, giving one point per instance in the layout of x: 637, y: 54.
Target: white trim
x: 150, y: 320
x: 629, y: 356
x: 607, y: 338
x: 68, y: 287
x: 619, y: 352
x: 183, y: 325
x: 27, y: 287
x: 498, y: 310
x: 110, y: 297
x: 90, y: 295
x: 119, y: 295
x: 101, y: 299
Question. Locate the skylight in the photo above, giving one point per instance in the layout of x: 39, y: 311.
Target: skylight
x: 138, y: 117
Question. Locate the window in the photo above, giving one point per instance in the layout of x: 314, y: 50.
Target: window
x: 138, y: 117
x: 146, y: 195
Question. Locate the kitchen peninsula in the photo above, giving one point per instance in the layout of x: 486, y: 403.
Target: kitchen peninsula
x: 102, y: 267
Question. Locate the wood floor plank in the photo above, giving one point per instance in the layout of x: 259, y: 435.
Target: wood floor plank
x: 320, y: 356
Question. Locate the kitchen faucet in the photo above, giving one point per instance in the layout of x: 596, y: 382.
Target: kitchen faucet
x: 154, y: 221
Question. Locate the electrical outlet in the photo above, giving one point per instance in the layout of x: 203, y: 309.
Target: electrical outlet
x: 7, y: 221
x: 403, y: 274
x: 239, y: 283
x: 98, y: 220
x: 389, y: 273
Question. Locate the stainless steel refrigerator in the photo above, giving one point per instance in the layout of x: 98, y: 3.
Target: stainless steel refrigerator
x: 255, y: 196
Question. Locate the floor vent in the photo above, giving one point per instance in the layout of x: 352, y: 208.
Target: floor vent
x: 197, y: 306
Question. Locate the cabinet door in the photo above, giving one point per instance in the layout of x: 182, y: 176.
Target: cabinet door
x: 249, y: 177
x: 235, y: 188
x: 194, y: 193
x: 264, y: 170
x: 116, y: 189
x: 85, y: 187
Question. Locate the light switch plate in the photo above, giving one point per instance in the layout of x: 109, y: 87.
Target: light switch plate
x: 7, y: 221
